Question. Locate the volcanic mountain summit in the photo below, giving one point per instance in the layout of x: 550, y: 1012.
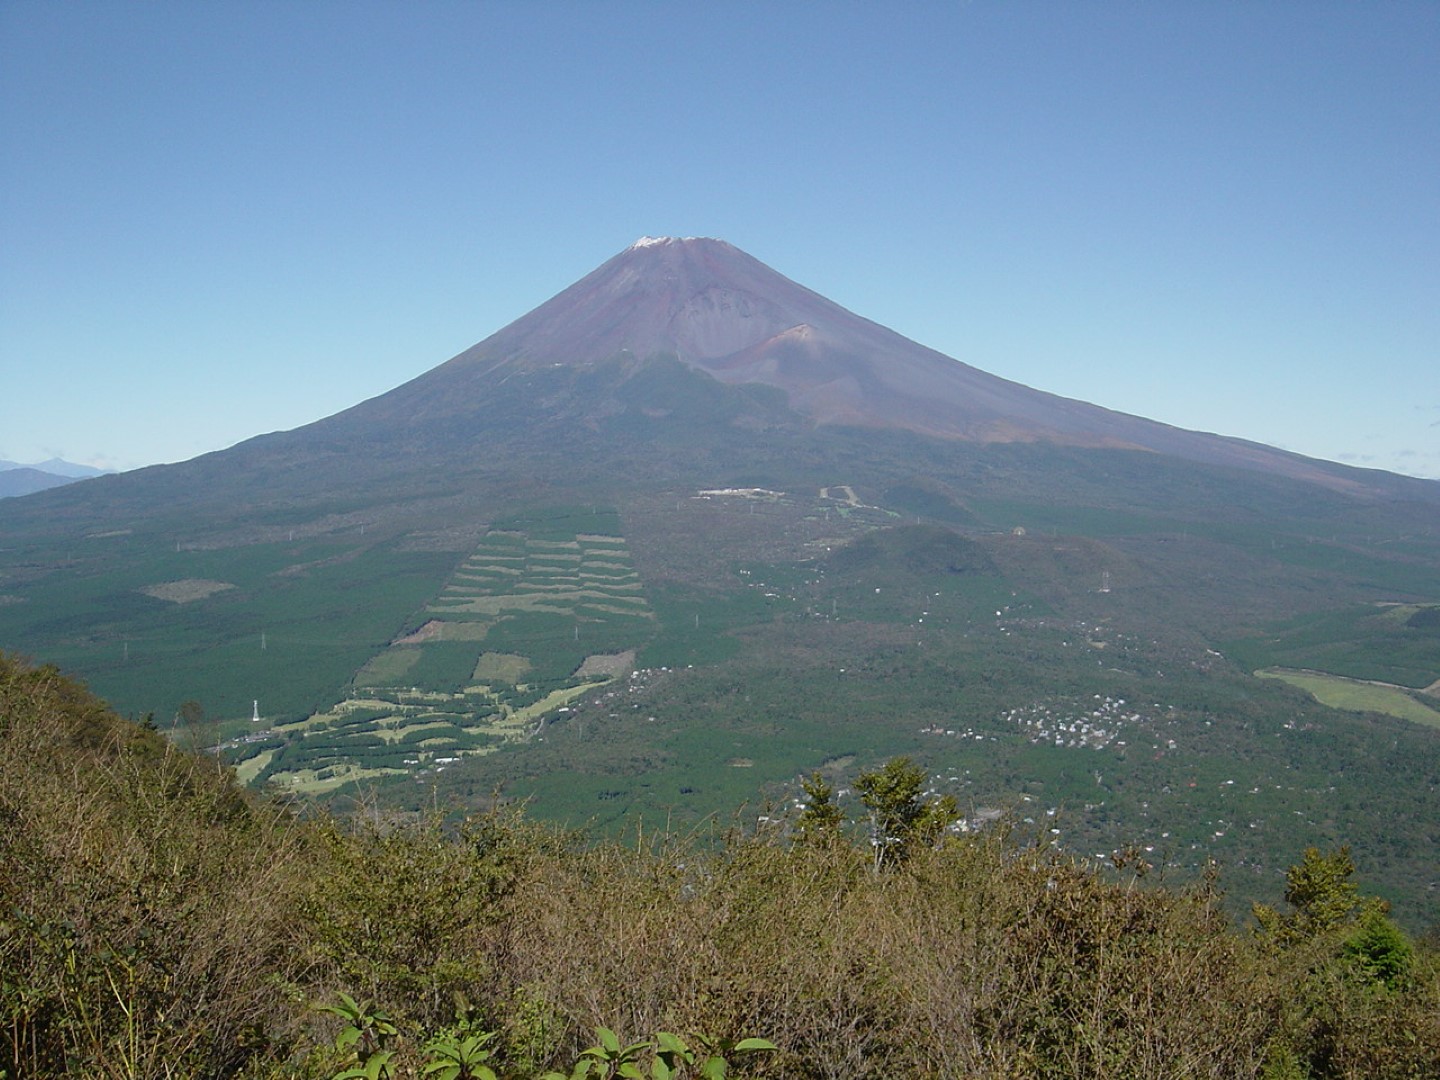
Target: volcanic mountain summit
x: 725, y: 314
x: 689, y: 530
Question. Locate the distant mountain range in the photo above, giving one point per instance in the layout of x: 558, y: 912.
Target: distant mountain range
x: 20, y: 479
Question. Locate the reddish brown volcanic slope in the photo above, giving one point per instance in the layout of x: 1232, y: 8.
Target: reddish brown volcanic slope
x: 724, y: 312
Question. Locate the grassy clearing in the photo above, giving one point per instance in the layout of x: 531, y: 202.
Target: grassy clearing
x: 609, y: 664
x: 552, y: 700
x: 463, y: 631
x: 602, y: 578
x: 187, y: 591
x: 1356, y: 696
x: 555, y: 600
x: 388, y: 667
x: 319, y: 781
x: 500, y: 667
x: 611, y: 610
x: 248, y: 770
x: 496, y: 605
x: 446, y: 630
x: 395, y: 730
x: 1400, y: 613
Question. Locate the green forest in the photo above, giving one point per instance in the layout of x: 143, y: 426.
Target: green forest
x: 159, y: 920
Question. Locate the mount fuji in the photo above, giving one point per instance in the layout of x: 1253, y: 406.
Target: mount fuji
x: 689, y: 529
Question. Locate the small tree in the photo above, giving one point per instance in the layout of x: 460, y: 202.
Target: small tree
x: 1321, y: 893
x: 1379, y: 949
x: 822, y: 817
x: 901, y: 818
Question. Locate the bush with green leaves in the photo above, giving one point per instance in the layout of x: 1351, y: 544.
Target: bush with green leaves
x: 668, y: 1056
x: 143, y: 898
x: 366, y: 1033
x: 1360, y: 1001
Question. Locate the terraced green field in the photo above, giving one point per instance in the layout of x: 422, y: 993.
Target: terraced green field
x: 481, y: 668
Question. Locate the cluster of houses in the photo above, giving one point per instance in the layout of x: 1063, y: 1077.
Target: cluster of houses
x: 1094, y: 725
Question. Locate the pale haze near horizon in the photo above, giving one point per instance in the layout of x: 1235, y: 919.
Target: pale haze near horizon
x: 223, y: 219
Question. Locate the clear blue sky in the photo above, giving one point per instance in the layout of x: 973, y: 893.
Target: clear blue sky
x: 225, y: 218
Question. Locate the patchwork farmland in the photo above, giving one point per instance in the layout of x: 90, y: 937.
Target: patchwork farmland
x: 525, y: 625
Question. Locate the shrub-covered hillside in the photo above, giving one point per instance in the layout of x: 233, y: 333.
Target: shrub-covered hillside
x: 155, y: 921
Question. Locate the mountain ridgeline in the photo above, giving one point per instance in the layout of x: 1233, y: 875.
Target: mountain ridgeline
x: 688, y: 531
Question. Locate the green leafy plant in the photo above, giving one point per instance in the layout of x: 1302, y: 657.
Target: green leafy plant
x: 459, y: 1057
x: 710, y: 1058
x: 670, y: 1057
x: 609, y: 1058
x: 364, y: 1034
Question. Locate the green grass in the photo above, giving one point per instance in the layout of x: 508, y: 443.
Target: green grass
x: 500, y: 667
x: 388, y: 667
x: 1357, y: 696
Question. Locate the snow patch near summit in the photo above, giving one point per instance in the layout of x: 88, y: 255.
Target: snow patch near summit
x: 652, y: 241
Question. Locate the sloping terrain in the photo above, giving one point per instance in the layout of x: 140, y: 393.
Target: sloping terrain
x: 157, y: 921
x: 838, y: 546
x: 23, y: 480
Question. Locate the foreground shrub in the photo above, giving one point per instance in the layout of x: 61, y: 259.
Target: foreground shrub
x: 142, y: 898
x: 155, y: 921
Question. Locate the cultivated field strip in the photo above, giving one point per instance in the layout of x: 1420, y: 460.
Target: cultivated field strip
x: 482, y: 668
x: 589, y: 577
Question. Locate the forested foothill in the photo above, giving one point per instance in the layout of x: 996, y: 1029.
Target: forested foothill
x: 157, y: 920
x: 682, y: 654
